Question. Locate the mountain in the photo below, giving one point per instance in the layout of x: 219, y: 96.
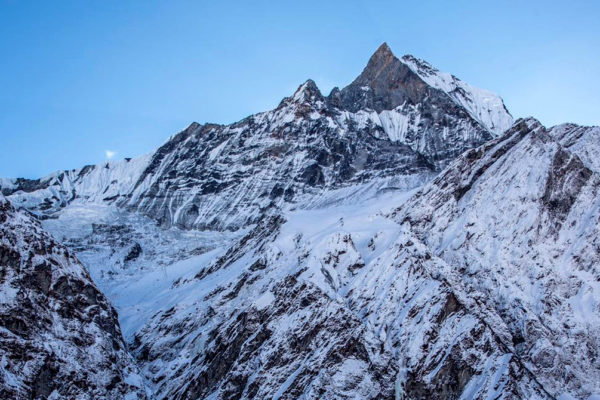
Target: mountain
x: 400, y: 238
x: 389, y: 126
x: 474, y: 292
x: 59, y: 335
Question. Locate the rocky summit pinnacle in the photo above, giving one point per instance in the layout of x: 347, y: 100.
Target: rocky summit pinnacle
x: 307, y: 92
x: 386, y: 83
x: 382, y: 56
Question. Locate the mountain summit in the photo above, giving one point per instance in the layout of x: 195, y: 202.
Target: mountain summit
x: 388, y: 82
x: 385, y: 84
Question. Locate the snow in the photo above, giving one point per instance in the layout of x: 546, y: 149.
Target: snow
x: 421, y: 274
x: 137, y: 290
x: 91, y: 184
x: 396, y: 124
x: 483, y: 105
x: 74, y: 341
x: 264, y: 301
x: 581, y: 140
x: 215, y: 152
x: 500, y: 241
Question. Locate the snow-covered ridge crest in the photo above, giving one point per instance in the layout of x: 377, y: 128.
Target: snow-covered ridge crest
x: 483, y: 105
x: 104, y: 182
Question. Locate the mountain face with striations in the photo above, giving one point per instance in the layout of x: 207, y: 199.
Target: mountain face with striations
x: 389, y: 127
x: 400, y: 238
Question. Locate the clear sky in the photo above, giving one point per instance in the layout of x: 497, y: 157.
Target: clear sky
x: 80, y: 78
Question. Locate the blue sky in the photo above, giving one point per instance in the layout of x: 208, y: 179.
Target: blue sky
x: 78, y: 78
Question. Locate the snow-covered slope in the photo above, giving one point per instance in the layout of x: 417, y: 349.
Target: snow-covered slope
x: 310, y: 252
x: 486, y: 286
x: 581, y: 140
x: 59, y: 336
x: 102, y: 183
x: 486, y: 107
x: 340, y: 302
x: 518, y: 223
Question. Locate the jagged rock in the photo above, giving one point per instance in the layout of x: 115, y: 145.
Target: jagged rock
x: 59, y: 336
x: 134, y: 253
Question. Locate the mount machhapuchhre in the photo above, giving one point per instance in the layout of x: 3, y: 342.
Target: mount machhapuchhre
x: 400, y: 238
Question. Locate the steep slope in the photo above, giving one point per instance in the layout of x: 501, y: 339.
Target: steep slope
x: 434, y: 113
x: 59, y: 336
x: 226, y: 177
x: 335, y: 303
x: 102, y: 183
x: 487, y: 288
x: 518, y: 222
x: 484, y: 106
x: 388, y: 125
x: 301, y: 253
x: 389, y: 128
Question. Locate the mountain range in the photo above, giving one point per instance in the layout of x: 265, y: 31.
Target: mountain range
x: 400, y: 238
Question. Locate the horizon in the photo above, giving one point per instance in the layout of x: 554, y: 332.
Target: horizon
x: 91, y: 82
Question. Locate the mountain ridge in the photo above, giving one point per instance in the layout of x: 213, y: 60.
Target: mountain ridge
x: 429, y: 134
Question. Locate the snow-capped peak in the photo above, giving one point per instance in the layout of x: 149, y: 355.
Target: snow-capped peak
x: 484, y: 106
x: 306, y: 92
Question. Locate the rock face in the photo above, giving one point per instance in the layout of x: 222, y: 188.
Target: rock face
x: 59, y: 336
x: 387, y: 241
x: 581, y: 140
x: 414, y: 109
